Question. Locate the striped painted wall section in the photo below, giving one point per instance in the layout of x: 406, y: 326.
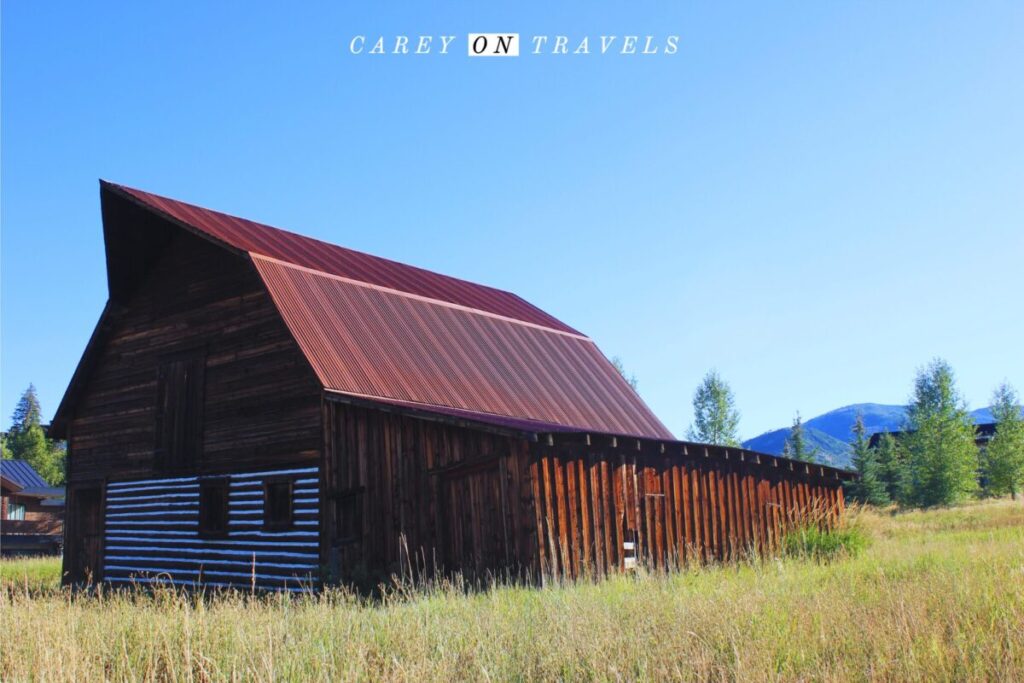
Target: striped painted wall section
x: 152, y: 534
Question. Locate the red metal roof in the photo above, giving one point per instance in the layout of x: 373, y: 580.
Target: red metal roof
x: 379, y: 330
x: 305, y: 251
x: 380, y: 343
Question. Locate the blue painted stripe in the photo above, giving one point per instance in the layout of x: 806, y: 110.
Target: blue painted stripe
x: 202, y: 561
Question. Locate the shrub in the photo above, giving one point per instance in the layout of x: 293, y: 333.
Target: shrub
x: 816, y: 542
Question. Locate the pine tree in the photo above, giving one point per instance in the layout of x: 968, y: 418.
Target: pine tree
x: 630, y: 378
x: 942, y: 457
x: 892, y: 468
x: 27, y: 441
x: 1004, y: 456
x: 715, y: 418
x: 795, y: 447
x: 868, y: 487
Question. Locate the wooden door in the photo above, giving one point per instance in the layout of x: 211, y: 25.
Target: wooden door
x: 85, y: 545
x: 473, y: 525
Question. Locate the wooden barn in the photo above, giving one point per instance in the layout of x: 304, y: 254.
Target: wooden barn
x: 259, y: 407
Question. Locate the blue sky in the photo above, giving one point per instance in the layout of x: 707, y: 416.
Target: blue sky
x: 813, y: 198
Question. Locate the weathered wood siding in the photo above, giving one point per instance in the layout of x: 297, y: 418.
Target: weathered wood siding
x: 429, y: 496
x: 691, y: 503
x: 151, y: 533
x: 262, y: 402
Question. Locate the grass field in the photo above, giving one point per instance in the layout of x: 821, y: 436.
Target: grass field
x: 935, y: 596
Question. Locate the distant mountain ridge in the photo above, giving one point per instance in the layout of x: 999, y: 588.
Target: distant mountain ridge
x: 831, y: 432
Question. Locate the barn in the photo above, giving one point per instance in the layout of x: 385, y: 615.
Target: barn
x: 259, y: 408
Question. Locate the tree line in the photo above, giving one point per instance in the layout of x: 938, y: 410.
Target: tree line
x: 27, y: 440
x: 933, y: 460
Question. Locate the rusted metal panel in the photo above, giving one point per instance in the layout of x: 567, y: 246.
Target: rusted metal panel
x: 382, y: 330
x: 386, y: 345
x: 256, y: 238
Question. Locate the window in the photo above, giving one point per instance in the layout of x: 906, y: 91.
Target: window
x: 15, y: 510
x: 179, y: 406
x: 350, y: 516
x: 213, y: 508
x: 277, y: 504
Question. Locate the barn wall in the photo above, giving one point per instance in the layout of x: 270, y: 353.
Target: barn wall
x: 427, y: 496
x: 692, y: 504
x: 151, y: 533
x: 262, y: 403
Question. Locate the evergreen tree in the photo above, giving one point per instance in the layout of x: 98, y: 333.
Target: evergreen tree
x: 5, y: 452
x: 869, y: 487
x: 715, y: 418
x: 27, y: 441
x: 630, y: 378
x: 892, y: 468
x: 941, y: 455
x: 795, y: 447
x: 1004, y: 456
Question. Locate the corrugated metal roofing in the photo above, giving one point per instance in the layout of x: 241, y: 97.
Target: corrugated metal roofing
x: 305, y: 251
x: 379, y: 330
x: 22, y: 474
x: 379, y: 343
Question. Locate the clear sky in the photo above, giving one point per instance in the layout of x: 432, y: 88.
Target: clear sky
x: 813, y: 198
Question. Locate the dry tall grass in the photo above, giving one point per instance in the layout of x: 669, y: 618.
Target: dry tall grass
x: 937, y: 596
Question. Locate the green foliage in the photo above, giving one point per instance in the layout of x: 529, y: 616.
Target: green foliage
x: 941, y: 455
x: 812, y: 541
x: 869, y: 487
x: 27, y: 441
x: 796, y: 445
x: 631, y: 379
x: 1004, y: 456
x: 715, y: 418
x: 5, y: 452
x: 892, y: 468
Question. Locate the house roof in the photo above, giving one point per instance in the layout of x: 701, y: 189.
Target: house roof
x: 21, y: 473
x: 395, y: 334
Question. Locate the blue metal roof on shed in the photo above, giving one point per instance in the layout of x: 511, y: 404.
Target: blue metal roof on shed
x: 22, y: 473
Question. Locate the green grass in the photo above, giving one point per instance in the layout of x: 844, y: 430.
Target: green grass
x: 821, y: 544
x: 934, y: 596
x: 31, y: 573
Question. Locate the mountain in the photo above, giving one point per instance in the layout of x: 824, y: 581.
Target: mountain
x: 831, y: 451
x: 832, y: 431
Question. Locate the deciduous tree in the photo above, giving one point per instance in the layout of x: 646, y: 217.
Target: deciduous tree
x: 630, y: 378
x: 941, y: 455
x: 715, y: 418
x: 1004, y: 455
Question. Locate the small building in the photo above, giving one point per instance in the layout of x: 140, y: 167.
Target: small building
x: 31, y: 511
x: 256, y: 407
x: 983, y: 433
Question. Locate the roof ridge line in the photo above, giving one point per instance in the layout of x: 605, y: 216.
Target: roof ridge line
x: 416, y: 297
x: 126, y: 189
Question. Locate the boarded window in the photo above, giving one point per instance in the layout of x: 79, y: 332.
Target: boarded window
x: 213, y: 508
x: 179, y: 409
x: 350, y: 516
x: 277, y: 504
